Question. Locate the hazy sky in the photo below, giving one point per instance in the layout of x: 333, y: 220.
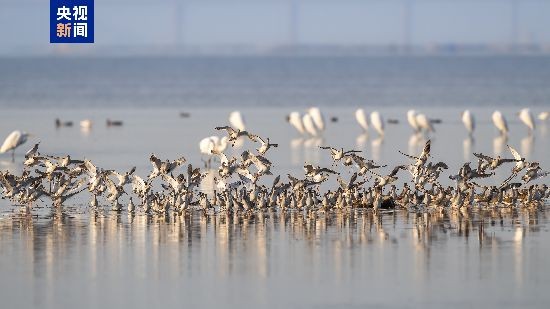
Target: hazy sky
x: 24, y: 23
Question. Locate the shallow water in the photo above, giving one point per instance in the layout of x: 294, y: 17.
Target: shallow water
x: 73, y: 258
x: 493, y: 259
x: 69, y: 258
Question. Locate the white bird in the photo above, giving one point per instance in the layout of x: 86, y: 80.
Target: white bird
x: 309, y: 125
x: 526, y: 117
x: 295, y: 119
x: 361, y: 118
x: 14, y: 140
x: 469, y: 121
x: 377, y: 122
x: 500, y: 122
x: 544, y: 116
x: 86, y: 124
x: 213, y: 145
x: 411, y: 118
x: 317, y: 117
x: 424, y: 123
x: 236, y: 120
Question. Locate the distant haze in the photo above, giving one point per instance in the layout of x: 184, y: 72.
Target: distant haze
x: 271, y: 23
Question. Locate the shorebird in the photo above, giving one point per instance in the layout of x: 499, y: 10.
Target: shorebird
x: 317, y: 173
x: 377, y: 122
x: 235, y: 134
x: 164, y: 167
x: 364, y: 164
x: 411, y: 119
x: 424, y: 123
x: 381, y: 181
x: 338, y: 154
x: 534, y: 173
x: 469, y: 121
x: 526, y: 117
x: 265, y: 145
x: 500, y: 122
x: 295, y: 120
x: 14, y: 140
x: 361, y: 118
x: 486, y: 162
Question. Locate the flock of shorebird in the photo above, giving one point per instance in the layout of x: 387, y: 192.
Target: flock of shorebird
x: 240, y: 186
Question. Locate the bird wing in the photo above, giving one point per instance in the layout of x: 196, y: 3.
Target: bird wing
x: 276, y: 180
x: 396, y: 170
x: 482, y: 156
x: 90, y: 167
x: 515, y: 154
x: 155, y: 162
x: 229, y: 129
x: 223, y: 157
x: 257, y: 137
x: 138, y: 184
x: 427, y: 148
x: 171, y: 181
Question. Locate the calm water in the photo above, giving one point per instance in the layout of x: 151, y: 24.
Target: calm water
x: 72, y: 258
x: 275, y: 81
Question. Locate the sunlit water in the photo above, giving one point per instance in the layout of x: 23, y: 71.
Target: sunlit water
x: 70, y: 257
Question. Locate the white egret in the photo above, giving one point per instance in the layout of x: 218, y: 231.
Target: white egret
x: 411, y: 118
x: 500, y: 122
x: 469, y: 121
x: 236, y: 120
x: 86, y: 124
x: 213, y: 145
x: 317, y: 118
x: 377, y: 122
x: 424, y: 123
x: 309, y: 125
x: 295, y: 119
x: 14, y: 140
x: 526, y: 117
x: 361, y: 118
x: 544, y: 116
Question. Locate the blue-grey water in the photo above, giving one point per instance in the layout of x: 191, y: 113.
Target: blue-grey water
x: 70, y: 257
x: 275, y: 81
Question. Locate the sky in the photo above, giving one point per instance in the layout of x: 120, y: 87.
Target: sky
x: 266, y: 23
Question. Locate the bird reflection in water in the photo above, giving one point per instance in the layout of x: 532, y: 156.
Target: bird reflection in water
x: 376, y: 146
x: 305, y: 150
x: 467, y: 145
x: 229, y: 233
x: 361, y: 141
x: 499, y: 142
x: 527, y: 145
x: 416, y: 142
